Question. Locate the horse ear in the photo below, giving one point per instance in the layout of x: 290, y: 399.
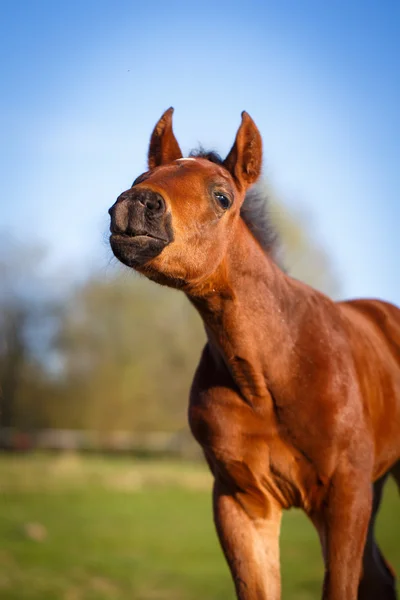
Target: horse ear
x: 245, y: 157
x: 163, y: 145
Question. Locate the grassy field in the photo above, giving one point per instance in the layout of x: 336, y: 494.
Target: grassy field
x: 92, y: 528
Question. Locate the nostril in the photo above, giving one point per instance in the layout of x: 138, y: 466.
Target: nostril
x: 153, y: 202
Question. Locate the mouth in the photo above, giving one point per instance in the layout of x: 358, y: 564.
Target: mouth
x: 136, y: 237
x: 138, y: 249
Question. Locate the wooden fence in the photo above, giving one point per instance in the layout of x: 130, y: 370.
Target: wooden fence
x: 156, y: 443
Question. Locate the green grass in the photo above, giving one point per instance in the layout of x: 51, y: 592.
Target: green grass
x: 92, y: 528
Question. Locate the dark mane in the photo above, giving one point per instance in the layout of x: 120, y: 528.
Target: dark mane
x: 255, y: 210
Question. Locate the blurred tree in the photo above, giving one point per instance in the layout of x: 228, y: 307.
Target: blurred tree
x: 128, y: 350
x: 13, y: 357
x: 24, y: 312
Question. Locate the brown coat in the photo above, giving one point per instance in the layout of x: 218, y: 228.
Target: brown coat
x: 296, y: 400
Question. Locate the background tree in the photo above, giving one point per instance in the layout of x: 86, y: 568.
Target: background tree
x: 128, y: 350
x: 25, y: 333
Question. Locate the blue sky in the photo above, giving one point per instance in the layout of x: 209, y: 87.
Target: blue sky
x: 83, y: 84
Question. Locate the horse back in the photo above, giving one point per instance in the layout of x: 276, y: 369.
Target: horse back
x: 373, y: 329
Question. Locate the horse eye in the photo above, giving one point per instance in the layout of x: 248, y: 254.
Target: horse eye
x: 222, y: 200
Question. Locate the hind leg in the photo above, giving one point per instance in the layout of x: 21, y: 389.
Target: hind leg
x: 378, y: 581
x: 395, y: 472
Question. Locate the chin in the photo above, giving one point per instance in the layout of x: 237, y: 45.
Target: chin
x: 136, y: 252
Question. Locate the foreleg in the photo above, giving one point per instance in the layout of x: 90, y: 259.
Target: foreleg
x: 250, y: 543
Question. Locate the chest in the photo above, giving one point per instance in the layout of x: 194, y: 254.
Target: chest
x: 248, y: 449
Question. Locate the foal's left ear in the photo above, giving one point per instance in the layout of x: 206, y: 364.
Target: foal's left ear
x: 163, y: 147
x: 245, y: 157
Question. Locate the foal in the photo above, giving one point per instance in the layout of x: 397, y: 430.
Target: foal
x: 296, y: 400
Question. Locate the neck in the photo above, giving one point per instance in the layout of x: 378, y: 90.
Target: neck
x: 250, y: 309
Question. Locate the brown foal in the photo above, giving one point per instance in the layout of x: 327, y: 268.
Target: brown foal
x: 296, y: 400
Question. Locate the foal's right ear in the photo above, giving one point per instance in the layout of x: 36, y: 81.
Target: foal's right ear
x: 163, y: 147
